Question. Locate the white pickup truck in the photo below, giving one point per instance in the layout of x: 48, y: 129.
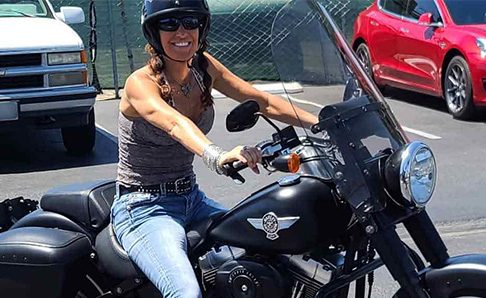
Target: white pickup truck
x: 43, y: 72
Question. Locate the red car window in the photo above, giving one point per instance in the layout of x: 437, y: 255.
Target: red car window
x: 467, y: 12
x: 395, y: 6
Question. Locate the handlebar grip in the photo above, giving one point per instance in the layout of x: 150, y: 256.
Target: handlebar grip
x: 232, y: 170
x: 239, y: 165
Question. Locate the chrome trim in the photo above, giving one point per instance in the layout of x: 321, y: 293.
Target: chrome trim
x: 61, y: 91
x: 46, y: 81
x: 46, y: 88
x: 44, y: 60
x: 56, y: 105
x: 271, y: 224
x: 72, y: 48
x: 40, y: 70
x: 405, y: 168
x: 64, y: 86
x: 401, y: 17
x: 381, y: 8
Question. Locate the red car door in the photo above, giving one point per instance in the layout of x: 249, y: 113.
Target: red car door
x: 383, y: 26
x: 419, y: 51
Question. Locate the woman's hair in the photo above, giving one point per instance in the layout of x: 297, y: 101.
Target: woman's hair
x: 156, y: 64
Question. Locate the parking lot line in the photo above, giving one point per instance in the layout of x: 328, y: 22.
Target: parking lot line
x: 421, y: 133
x: 407, y: 129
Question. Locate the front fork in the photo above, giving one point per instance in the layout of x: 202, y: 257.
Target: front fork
x: 395, y: 255
x: 427, y: 238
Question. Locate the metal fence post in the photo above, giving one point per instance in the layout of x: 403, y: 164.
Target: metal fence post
x: 113, y: 49
x: 121, y: 4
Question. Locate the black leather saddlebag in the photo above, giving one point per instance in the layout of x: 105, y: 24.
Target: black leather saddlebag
x: 42, y: 262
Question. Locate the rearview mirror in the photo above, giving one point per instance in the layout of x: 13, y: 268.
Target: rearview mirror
x: 243, y: 116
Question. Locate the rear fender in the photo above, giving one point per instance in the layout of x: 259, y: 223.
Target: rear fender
x: 461, y: 275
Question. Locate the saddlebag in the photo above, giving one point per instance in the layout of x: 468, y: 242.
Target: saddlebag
x: 42, y: 262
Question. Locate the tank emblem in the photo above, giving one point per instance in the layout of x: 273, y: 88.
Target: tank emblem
x: 271, y: 224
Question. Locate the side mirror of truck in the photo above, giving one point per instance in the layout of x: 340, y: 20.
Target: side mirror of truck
x: 71, y: 15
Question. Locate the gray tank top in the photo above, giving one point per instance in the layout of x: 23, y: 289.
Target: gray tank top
x: 148, y: 155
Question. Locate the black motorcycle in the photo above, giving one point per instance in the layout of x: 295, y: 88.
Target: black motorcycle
x: 332, y: 222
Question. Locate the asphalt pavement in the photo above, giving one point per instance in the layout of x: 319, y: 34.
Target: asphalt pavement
x: 31, y: 162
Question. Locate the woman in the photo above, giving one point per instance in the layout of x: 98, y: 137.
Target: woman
x: 165, y: 114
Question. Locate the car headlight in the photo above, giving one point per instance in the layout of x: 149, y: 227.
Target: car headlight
x: 481, y: 43
x: 66, y: 58
x: 411, y: 174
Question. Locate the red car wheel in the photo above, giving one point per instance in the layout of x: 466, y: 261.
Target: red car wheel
x: 458, y: 89
x: 363, y: 53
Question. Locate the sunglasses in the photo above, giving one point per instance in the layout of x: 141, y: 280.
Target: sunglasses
x: 172, y: 24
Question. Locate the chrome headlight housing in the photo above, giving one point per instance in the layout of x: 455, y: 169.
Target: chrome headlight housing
x: 411, y: 175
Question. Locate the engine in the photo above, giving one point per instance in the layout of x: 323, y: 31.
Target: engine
x: 229, y: 272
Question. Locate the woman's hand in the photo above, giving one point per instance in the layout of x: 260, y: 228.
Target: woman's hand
x: 247, y: 154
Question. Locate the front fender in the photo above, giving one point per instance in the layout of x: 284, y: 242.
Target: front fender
x: 461, y: 275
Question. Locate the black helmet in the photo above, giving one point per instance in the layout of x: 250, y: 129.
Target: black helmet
x: 155, y: 10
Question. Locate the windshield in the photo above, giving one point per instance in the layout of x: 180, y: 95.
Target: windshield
x: 323, y: 76
x: 467, y: 12
x: 24, y: 8
x: 317, y: 64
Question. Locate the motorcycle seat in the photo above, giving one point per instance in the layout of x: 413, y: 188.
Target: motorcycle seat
x: 87, y: 204
x: 115, y: 261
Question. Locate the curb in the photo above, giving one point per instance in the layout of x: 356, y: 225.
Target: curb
x: 273, y: 88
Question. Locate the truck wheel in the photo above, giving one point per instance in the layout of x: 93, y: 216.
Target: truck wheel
x: 80, y: 140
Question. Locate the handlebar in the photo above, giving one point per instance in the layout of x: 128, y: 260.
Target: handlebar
x: 232, y: 169
x: 281, y: 143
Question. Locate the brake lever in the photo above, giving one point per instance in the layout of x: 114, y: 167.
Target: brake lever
x: 231, y: 170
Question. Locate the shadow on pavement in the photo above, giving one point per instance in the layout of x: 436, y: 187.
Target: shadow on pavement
x: 427, y: 101
x: 42, y: 150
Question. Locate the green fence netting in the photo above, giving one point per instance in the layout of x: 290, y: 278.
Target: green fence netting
x: 240, y: 34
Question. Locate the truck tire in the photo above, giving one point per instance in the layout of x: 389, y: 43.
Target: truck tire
x: 80, y: 140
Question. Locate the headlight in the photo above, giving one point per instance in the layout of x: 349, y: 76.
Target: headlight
x: 481, y: 43
x: 411, y: 174
x: 65, y: 58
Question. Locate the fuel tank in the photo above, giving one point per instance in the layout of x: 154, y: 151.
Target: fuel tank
x: 290, y: 216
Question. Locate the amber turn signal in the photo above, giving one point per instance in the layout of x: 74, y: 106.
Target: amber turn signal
x: 84, y: 57
x: 289, y: 163
x: 293, y: 163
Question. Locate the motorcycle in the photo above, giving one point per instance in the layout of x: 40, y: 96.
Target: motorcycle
x: 330, y: 223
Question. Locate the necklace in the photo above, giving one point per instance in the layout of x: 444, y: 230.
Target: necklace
x: 184, y: 89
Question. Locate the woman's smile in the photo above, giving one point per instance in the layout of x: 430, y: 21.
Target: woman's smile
x: 180, y: 45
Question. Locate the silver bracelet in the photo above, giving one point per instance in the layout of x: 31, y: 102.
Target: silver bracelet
x: 211, y: 157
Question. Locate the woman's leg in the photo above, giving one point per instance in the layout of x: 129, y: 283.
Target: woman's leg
x: 157, y: 244
x: 204, y: 207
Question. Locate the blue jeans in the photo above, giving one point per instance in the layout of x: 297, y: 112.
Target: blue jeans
x: 151, y: 230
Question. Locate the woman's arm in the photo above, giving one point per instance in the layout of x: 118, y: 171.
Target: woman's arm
x: 143, y: 95
x: 273, y: 106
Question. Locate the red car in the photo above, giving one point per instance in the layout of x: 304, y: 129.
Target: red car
x: 437, y: 47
